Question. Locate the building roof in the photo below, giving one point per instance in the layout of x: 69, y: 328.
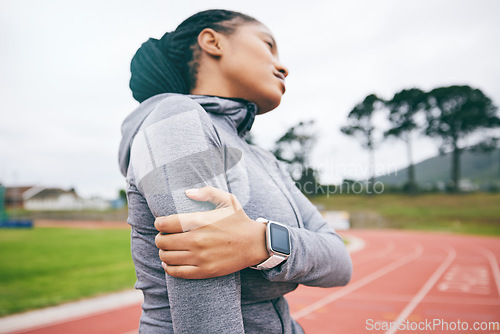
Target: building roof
x: 41, y: 193
x: 15, y: 192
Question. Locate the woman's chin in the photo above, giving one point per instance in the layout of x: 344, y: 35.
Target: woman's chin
x: 268, y: 104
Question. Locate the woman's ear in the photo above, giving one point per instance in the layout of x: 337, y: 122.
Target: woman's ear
x: 209, y: 41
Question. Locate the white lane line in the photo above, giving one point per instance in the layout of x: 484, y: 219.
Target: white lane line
x: 360, y: 283
x: 494, y: 266
x: 428, y: 300
x: 452, y: 254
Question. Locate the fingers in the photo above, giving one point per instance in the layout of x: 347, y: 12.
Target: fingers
x: 168, y: 224
x: 184, y: 222
x: 188, y: 272
x: 216, y: 196
x: 173, y: 242
x: 177, y: 258
x: 188, y: 221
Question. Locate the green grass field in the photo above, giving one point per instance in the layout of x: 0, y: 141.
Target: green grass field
x: 477, y: 213
x: 47, y: 266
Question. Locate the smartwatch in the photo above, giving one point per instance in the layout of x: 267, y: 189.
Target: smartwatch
x: 277, y: 243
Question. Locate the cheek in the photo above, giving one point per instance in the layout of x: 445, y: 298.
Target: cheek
x: 257, y: 55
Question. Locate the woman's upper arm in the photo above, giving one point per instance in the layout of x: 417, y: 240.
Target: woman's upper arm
x: 176, y: 148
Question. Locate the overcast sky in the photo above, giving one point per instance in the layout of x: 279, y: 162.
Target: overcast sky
x: 64, y: 71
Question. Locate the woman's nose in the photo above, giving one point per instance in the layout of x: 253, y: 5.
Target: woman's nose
x: 282, y: 68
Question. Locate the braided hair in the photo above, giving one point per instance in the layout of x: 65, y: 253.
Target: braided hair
x: 169, y: 65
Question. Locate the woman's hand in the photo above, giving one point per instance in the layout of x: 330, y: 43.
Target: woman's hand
x: 212, y: 243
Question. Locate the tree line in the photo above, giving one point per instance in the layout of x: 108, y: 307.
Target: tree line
x: 452, y: 115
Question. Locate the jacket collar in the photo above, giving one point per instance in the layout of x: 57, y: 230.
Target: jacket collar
x: 240, y: 112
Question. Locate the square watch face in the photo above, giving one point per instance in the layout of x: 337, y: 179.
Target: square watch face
x: 280, y: 239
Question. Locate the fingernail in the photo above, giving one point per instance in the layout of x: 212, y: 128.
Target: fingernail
x: 192, y: 191
x: 164, y: 265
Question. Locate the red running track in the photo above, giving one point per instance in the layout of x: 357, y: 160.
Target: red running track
x: 403, y: 282
x: 430, y: 280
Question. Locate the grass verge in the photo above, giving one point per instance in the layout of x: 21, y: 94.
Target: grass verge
x: 47, y: 266
x: 476, y: 213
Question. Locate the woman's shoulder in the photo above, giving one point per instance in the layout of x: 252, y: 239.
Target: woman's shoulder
x: 174, y: 105
x: 180, y: 114
x: 179, y: 121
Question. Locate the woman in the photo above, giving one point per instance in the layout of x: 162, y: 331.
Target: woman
x: 192, y: 176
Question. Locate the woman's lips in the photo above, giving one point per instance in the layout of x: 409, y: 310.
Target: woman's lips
x: 281, y: 77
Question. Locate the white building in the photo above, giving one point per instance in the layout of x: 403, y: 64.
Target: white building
x: 56, y: 199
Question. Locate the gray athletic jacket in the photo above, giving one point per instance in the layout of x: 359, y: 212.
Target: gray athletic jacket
x: 173, y: 142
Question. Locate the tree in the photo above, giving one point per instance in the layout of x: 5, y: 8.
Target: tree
x: 489, y: 146
x: 308, y: 182
x: 454, y: 113
x: 249, y: 138
x: 360, y: 125
x: 403, y: 109
x: 294, y: 148
x: 122, y: 194
x: 3, y: 213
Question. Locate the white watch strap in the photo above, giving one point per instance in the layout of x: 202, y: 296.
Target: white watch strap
x: 271, y: 262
